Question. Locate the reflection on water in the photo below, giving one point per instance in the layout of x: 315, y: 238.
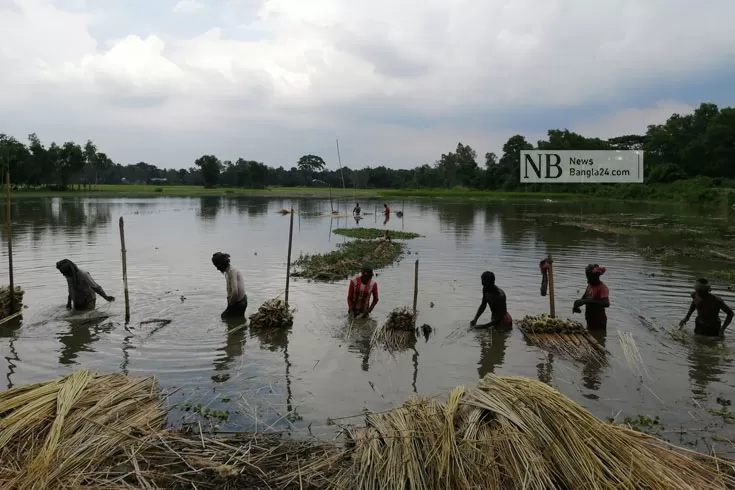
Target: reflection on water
x: 492, y: 350
x: 709, y: 361
x: 325, y: 366
x: 81, y: 334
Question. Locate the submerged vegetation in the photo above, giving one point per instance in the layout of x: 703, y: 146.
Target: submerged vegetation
x: 7, y: 307
x: 562, y: 336
x: 347, y: 259
x: 274, y: 313
x: 373, y: 233
x: 86, y: 431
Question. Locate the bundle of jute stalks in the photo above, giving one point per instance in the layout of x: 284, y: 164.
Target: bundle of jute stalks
x: 562, y: 336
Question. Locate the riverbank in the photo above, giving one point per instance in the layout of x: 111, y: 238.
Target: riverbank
x: 107, y: 431
x: 697, y: 191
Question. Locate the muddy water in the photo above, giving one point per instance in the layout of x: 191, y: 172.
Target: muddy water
x: 324, y: 368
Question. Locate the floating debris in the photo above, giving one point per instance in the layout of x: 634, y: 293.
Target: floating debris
x: 347, y: 259
x: 6, y: 306
x: 274, y: 313
x: 562, y: 336
x: 374, y: 233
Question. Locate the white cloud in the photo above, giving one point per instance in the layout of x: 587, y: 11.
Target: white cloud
x: 188, y: 6
x: 307, y: 72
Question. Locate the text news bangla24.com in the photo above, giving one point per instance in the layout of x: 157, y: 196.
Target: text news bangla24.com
x: 578, y: 166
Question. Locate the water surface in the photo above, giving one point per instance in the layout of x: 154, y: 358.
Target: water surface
x: 324, y: 368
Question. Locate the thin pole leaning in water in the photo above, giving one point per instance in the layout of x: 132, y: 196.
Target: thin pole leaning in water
x: 288, y: 259
x: 552, y: 306
x: 9, y: 225
x: 415, y: 287
x: 124, y: 269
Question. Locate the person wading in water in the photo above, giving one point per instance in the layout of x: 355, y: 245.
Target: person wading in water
x: 494, y: 297
x: 83, y: 290
x: 708, y: 308
x: 361, y: 289
x: 595, y: 299
x: 237, y: 300
x: 356, y: 210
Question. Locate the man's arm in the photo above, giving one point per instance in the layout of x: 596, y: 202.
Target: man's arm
x: 692, y: 307
x: 98, y: 289
x: 350, y: 292
x: 728, y: 318
x: 375, y: 297
x: 480, y: 310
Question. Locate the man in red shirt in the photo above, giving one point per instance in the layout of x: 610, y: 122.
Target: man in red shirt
x: 595, y: 299
x: 361, y: 289
x: 708, y: 308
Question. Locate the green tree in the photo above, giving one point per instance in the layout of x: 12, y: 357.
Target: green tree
x: 210, y: 167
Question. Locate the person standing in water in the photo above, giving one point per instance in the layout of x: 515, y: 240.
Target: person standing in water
x: 237, y: 300
x: 360, y: 291
x: 494, y: 297
x: 708, y: 308
x: 596, y: 299
x: 83, y: 290
x: 356, y: 210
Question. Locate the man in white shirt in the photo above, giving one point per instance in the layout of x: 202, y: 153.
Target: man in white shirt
x: 237, y: 300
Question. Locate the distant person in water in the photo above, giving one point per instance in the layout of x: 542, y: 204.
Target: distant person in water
x: 386, y: 209
x: 356, y: 210
x: 83, y: 290
x: 361, y: 290
x: 596, y: 299
x: 237, y: 300
x: 494, y: 297
x: 708, y: 308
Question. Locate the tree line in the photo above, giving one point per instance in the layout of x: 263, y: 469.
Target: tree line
x: 698, y: 145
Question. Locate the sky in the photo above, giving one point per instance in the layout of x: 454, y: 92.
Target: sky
x: 398, y: 82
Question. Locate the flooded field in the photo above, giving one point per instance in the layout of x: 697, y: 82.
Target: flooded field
x: 323, y: 370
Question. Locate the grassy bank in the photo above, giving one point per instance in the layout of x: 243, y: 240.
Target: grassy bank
x: 704, y: 191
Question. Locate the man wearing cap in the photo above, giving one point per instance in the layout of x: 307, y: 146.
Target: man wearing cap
x: 361, y: 289
x: 596, y: 299
x: 708, y: 308
x: 494, y: 297
x: 237, y: 300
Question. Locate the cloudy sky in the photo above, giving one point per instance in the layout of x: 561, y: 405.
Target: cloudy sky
x: 397, y: 81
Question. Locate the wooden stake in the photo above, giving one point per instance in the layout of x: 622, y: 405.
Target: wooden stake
x: 125, y: 269
x: 288, y: 259
x: 9, y: 226
x: 552, y: 306
x: 415, y: 287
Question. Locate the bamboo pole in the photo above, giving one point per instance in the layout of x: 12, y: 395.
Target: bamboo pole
x: 552, y: 306
x: 9, y: 226
x: 288, y: 259
x: 124, y: 269
x: 415, y: 287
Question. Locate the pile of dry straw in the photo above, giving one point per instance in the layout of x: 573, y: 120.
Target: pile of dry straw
x: 274, y: 313
x: 562, y: 336
x: 6, y: 306
x: 398, y: 332
x: 104, y: 432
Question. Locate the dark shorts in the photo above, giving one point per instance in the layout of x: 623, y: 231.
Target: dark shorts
x: 85, y: 305
x: 506, y: 323
x: 238, y: 309
x: 707, y: 329
x: 597, y: 321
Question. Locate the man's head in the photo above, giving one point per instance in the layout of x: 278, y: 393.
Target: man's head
x: 385, y: 204
x: 67, y: 267
x: 702, y: 286
x: 366, y: 272
x: 221, y: 261
x: 593, y: 273
x: 488, y: 280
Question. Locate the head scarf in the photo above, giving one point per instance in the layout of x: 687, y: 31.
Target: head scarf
x: 595, y: 270
x: 221, y: 260
x: 488, y: 279
x: 702, y: 286
x: 69, y: 269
